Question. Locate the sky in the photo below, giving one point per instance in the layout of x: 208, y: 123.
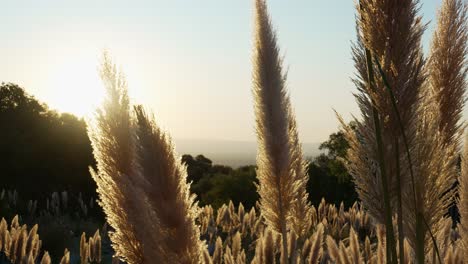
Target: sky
x: 188, y: 61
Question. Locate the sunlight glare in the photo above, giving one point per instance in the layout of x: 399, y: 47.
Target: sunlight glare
x: 75, y: 86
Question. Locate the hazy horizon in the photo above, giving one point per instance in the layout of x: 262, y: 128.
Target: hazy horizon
x: 187, y: 61
x: 232, y: 153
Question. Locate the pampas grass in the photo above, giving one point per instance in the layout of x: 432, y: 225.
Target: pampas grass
x: 19, y: 244
x: 434, y: 177
x: 281, y: 169
x: 402, y: 158
x: 391, y: 31
x: 271, y: 110
x: 463, y: 199
x: 448, y: 67
x: 112, y: 136
x: 301, y: 208
x: 138, y: 173
x: 171, y: 231
x: 448, y: 72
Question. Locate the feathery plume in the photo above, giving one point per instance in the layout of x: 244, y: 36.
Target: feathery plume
x: 139, y: 172
x: 84, y: 249
x: 344, y: 254
x: 367, y: 250
x: 281, y: 170
x: 173, y: 230
x: 19, y: 245
x: 463, y: 200
x: 305, y: 249
x: 268, y: 250
x: 96, y: 250
x: 236, y: 245
x: 66, y: 257
x: 333, y: 251
x: 228, y: 258
x: 316, y: 248
x: 381, y: 245
x: 301, y: 209
x: 218, y: 252
x: 354, y: 247
x: 258, y: 257
x: 3, y: 234
x: 392, y: 31
x: 389, y: 33
x: 448, y: 79
x: 435, y: 177
x: 207, y: 257
x: 448, y: 68
x: 112, y: 137
x: 33, y: 242
x: 46, y: 258
x: 408, y: 252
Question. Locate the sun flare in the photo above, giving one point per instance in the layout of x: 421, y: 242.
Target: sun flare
x: 75, y: 86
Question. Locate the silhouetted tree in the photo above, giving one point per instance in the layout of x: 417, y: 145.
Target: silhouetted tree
x: 41, y: 150
x: 196, y: 167
x: 329, y: 178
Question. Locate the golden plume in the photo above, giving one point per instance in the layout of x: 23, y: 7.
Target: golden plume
x: 281, y: 169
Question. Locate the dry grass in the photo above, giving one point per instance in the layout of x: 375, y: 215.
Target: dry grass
x: 402, y: 157
x: 281, y: 168
x: 139, y: 174
x: 448, y: 67
x: 463, y: 200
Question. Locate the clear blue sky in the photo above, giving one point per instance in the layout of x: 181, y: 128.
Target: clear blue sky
x: 189, y: 61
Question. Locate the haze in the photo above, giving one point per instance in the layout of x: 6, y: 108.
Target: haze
x: 189, y: 61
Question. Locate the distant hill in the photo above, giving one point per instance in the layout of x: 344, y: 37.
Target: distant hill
x: 230, y: 153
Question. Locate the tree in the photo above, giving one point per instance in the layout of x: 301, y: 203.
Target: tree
x: 41, y: 150
x: 218, y: 188
x: 329, y: 177
x: 196, y: 167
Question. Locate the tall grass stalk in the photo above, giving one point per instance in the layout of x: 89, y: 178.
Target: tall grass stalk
x: 112, y: 136
x: 421, y: 223
x: 392, y: 31
x: 463, y: 199
x: 391, y: 246
x: 281, y: 168
x: 383, y: 26
x: 401, y: 235
x: 448, y: 67
x: 141, y: 182
x: 172, y: 235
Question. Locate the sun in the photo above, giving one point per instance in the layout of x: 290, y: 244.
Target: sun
x: 75, y: 86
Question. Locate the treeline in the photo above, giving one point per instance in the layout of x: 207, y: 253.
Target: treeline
x: 42, y: 151
x: 216, y: 185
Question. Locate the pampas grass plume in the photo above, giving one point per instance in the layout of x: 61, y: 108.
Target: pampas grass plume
x: 448, y: 68
x: 281, y: 169
x: 463, y: 200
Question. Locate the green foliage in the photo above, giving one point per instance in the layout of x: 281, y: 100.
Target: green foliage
x: 336, y: 145
x: 324, y: 183
x: 328, y: 177
x: 237, y: 185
